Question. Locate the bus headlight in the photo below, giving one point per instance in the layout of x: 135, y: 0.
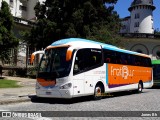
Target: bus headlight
x: 66, y: 86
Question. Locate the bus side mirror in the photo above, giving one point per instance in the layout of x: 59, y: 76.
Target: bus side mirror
x: 32, y: 58
x: 33, y: 55
x: 69, y: 54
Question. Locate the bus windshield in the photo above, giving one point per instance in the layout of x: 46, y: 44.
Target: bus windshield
x: 53, y: 63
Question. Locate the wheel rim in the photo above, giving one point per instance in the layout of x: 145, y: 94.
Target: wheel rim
x: 98, y: 92
x: 140, y: 88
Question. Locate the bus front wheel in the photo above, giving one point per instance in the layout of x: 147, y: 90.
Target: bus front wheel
x: 98, y: 91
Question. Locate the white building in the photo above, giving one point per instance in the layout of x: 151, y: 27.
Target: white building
x: 140, y: 19
x: 15, y: 7
x: 24, y: 15
x: 138, y: 29
x: 23, y: 8
x: 125, y: 25
x: 28, y: 11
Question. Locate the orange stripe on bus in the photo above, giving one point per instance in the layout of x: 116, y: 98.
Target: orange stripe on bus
x: 124, y: 74
x: 46, y: 83
x: 50, y: 47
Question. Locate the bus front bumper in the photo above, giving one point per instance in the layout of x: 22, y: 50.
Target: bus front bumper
x: 52, y: 93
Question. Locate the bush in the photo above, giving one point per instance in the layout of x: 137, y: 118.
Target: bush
x: 21, y: 72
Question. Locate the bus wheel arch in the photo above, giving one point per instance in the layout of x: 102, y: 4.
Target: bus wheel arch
x: 99, y: 91
x: 140, y: 86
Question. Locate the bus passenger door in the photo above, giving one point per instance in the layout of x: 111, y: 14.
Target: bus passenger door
x: 86, y: 62
x: 78, y: 74
x: 78, y: 84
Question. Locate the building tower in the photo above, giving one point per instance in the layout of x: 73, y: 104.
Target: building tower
x: 141, y: 20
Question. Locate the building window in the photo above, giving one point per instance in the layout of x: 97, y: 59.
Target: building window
x: 123, y: 27
x: 152, y: 26
x: 137, y: 16
x: 136, y: 24
x: 11, y: 3
x: 22, y: 8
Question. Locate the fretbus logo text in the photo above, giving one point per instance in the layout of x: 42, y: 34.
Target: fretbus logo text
x: 123, y: 71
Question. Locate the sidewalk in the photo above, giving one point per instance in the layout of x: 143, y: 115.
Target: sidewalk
x: 16, y: 95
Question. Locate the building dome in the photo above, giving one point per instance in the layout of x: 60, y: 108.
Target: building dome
x: 142, y: 2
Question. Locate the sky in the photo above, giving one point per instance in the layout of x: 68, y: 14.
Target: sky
x: 122, y: 9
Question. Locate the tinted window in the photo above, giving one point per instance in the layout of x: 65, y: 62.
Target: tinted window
x: 87, y: 59
x: 156, y: 72
x: 116, y: 57
x: 124, y: 58
x: 110, y: 56
x: 53, y: 63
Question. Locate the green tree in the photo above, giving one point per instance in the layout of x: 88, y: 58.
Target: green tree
x: 157, y: 31
x: 7, y: 39
x: 58, y: 19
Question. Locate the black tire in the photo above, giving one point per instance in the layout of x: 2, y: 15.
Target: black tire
x: 98, y: 92
x: 140, y: 87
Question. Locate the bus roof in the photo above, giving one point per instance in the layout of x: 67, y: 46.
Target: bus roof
x: 70, y: 41
x: 155, y: 62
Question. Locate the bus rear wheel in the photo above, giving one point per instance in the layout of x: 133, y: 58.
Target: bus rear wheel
x: 98, y: 92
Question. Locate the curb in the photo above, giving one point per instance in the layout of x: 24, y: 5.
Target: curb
x: 17, y: 100
x: 11, y: 101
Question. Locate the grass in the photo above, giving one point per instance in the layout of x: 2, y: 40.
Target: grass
x: 4, y: 83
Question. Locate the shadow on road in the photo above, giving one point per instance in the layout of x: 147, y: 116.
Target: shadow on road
x: 155, y: 87
x: 36, y: 99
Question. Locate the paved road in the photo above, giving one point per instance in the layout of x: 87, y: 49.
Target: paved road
x: 149, y: 100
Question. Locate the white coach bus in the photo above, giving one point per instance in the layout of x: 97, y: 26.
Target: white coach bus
x: 78, y: 67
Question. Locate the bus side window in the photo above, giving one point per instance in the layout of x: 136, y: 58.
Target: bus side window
x: 110, y: 56
x: 133, y: 60
x: 118, y: 58
x: 124, y: 59
x: 137, y: 61
x: 148, y: 62
x: 108, y: 60
x: 94, y: 58
x: 143, y: 62
x: 129, y: 59
x: 113, y: 57
x: 87, y: 59
x: 78, y: 64
x: 107, y: 56
x: 91, y: 61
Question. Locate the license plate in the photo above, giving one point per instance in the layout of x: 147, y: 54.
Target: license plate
x: 48, y: 93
